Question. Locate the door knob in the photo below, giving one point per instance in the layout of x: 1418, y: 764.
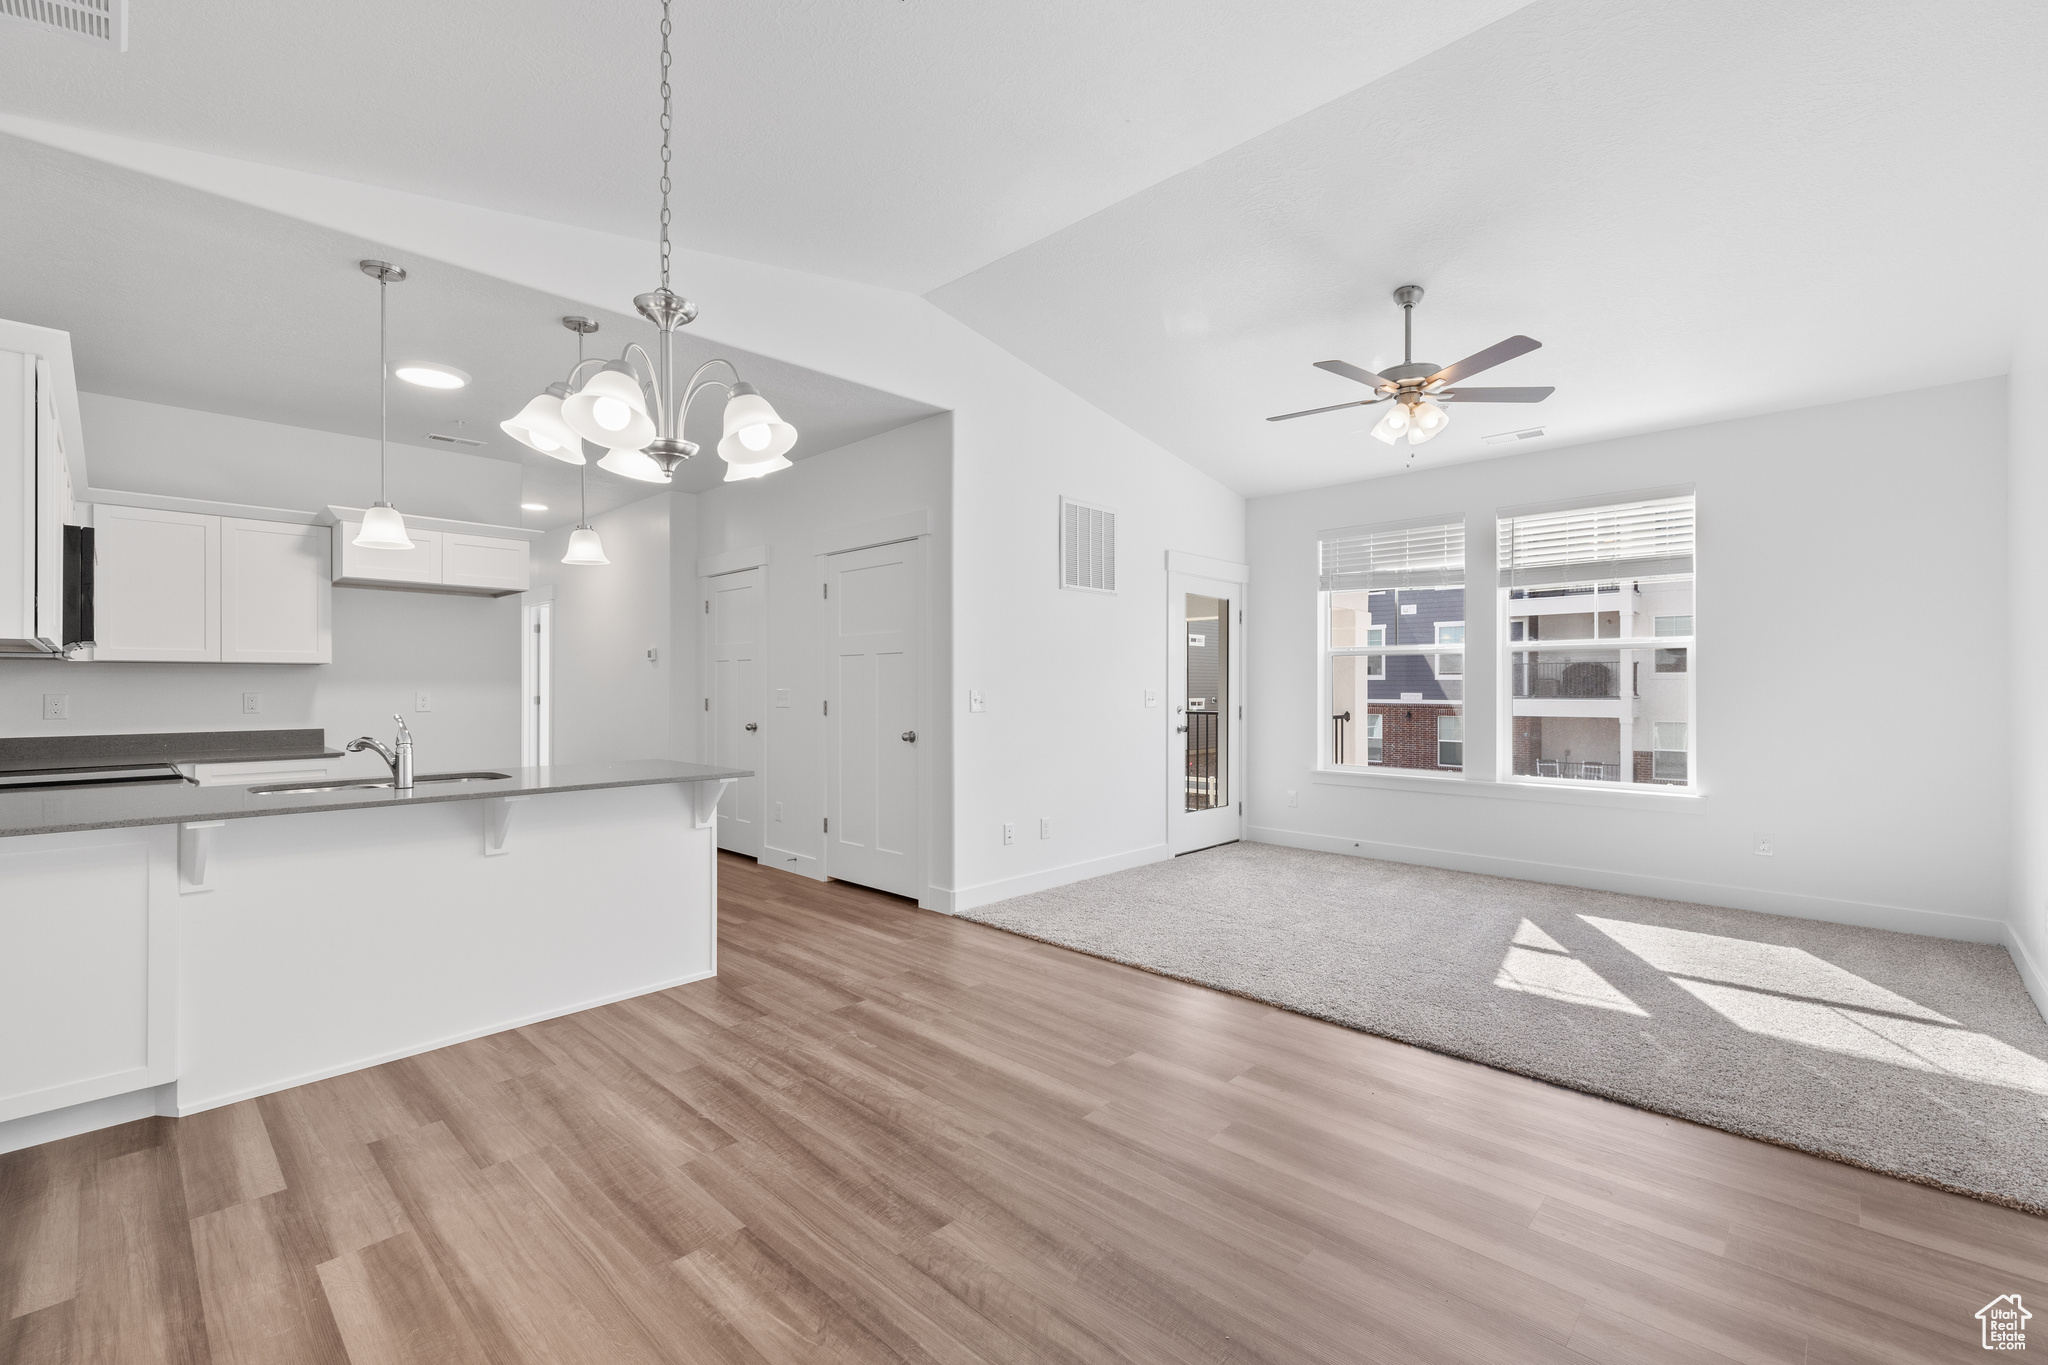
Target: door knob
x: 751, y: 727
x: 910, y: 736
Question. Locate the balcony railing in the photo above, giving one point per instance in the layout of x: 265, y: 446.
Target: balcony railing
x: 1535, y: 676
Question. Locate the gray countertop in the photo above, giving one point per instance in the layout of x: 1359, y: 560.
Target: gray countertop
x: 114, y: 807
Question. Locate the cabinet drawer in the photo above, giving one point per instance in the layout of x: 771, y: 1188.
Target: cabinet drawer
x: 483, y: 562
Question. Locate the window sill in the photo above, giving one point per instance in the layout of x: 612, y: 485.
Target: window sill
x: 1626, y: 796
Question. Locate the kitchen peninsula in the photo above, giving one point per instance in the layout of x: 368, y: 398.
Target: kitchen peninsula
x: 172, y: 948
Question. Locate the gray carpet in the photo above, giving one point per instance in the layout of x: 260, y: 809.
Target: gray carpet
x: 1915, y: 1056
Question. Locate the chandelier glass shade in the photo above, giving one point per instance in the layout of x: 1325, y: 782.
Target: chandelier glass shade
x: 611, y: 409
x: 759, y: 468
x: 632, y: 464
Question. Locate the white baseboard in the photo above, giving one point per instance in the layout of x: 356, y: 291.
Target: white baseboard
x: 2031, y: 975
x: 187, y: 1106
x: 53, y: 1125
x: 1865, y: 914
x: 988, y: 893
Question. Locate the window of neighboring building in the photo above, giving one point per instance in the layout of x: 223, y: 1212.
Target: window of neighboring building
x: 1450, y: 741
x: 1393, y: 609
x: 1588, y: 593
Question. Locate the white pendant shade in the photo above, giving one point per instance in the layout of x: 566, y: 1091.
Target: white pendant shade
x: 585, y: 548
x: 610, y: 409
x: 633, y: 464
x: 383, y: 529
x: 735, y: 472
x: 754, y: 433
x: 539, y: 426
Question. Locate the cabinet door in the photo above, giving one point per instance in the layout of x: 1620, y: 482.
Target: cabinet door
x: 354, y: 564
x: 483, y: 562
x: 276, y: 593
x: 156, y: 593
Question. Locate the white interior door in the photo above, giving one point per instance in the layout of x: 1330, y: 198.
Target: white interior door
x: 536, y: 740
x: 874, y: 613
x: 737, y: 714
x: 1205, y: 671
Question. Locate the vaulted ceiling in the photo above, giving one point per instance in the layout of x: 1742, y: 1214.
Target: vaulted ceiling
x: 1702, y: 209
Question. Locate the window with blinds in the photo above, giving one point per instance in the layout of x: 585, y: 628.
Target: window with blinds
x: 1597, y: 622
x: 1394, y: 645
x: 1649, y: 539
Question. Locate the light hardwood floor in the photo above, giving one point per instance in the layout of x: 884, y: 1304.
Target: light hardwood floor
x: 881, y: 1134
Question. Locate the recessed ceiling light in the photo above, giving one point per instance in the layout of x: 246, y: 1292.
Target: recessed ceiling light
x: 534, y: 506
x: 432, y: 376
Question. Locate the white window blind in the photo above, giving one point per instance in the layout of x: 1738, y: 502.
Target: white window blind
x: 1087, y: 547
x: 1402, y: 555
x: 1623, y: 540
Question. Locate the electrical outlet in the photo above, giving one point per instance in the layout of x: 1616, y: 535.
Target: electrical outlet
x: 1045, y: 829
x: 778, y: 812
x: 1763, y: 846
x: 422, y: 701
x: 1009, y: 833
x: 252, y: 702
x: 1151, y: 697
x: 56, y: 706
x: 976, y: 701
x: 1294, y: 798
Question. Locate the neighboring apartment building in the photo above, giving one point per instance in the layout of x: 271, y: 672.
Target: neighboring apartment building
x: 1399, y: 710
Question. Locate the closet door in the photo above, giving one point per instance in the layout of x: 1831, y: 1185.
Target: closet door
x: 738, y: 715
x: 874, y: 605
x: 156, y: 588
x: 276, y: 593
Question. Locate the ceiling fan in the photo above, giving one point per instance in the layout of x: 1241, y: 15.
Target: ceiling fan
x: 1419, y: 389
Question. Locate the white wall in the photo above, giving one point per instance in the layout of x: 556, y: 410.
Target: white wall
x: 2027, y: 509
x: 905, y: 470
x: 611, y: 702
x: 150, y: 448
x: 1066, y: 735
x: 1868, y: 740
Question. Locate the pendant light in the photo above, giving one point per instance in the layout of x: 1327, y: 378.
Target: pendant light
x: 639, y: 417
x: 584, y: 545
x: 383, y: 528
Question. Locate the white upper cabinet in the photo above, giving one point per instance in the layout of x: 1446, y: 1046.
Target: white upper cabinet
x: 446, y: 556
x: 419, y: 566
x: 37, y: 403
x: 157, y: 588
x: 276, y: 594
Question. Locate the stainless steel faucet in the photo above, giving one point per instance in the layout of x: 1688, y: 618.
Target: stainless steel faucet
x: 401, y: 761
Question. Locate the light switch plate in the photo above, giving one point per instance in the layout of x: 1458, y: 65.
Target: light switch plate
x: 782, y: 696
x: 977, y: 702
x: 1045, y: 829
x: 422, y: 701
x: 1009, y: 834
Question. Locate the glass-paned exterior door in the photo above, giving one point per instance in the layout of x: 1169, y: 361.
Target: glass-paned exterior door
x: 1205, y: 752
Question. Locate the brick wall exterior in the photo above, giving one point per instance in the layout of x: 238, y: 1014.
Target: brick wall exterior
x: 1643, y: 771
x: 1408, y: 734
x: 1528, y: 736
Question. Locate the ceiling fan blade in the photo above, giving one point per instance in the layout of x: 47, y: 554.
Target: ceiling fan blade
x: 1310, y: 412
x: 1495, y: 395
x: 1485, y: 360
x: 1351, y: 371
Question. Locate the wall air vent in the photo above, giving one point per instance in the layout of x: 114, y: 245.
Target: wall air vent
x: 103, y: 23
x: 432, y: 435
x: 1087, y: 547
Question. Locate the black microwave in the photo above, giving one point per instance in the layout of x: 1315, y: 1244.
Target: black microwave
x: 78, y: 575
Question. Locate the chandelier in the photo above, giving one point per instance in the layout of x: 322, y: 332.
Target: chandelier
x: 633, y: 411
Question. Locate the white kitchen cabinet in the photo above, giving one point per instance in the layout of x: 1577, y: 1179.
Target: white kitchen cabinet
x: 88, y: 966
x: 276, y: 593
x: 418, y: 567
x: 465, y: 557
x: 37, y: 401
x: 483, y: 562
x: 157, y: 589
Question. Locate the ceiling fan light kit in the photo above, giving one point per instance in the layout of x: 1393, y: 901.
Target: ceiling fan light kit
x: 630, y: 406
x: 1418, y: 389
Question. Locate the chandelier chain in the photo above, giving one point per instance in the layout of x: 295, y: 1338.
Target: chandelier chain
x: 667, y: 122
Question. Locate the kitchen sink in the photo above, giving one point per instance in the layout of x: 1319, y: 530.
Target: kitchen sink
x: 304, y: 788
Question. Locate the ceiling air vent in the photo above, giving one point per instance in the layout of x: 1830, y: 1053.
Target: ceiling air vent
x: 1087, y: 547
x: 432, y: 435
x: 103, y: 23
x: 1503, y: 438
